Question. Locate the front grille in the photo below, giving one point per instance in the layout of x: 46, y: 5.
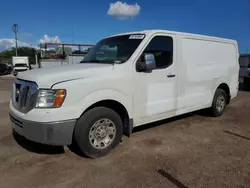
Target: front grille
x: 24, y: 95
x: 20, y: 70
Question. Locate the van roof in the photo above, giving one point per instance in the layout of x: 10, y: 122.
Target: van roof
x: 149, y: 32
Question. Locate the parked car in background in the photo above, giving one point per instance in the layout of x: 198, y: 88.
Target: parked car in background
x: 5, y: 69
x: 125, y: 81
x: 245, y: 71
x: 10, y: 68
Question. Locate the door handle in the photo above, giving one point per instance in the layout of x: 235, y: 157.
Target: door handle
x: 171, y: 75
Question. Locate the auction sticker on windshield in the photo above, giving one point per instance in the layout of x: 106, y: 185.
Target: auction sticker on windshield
x: 136, y: 36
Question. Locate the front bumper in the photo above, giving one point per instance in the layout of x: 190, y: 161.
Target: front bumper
x: 52, y: 133
x: 20, y: 70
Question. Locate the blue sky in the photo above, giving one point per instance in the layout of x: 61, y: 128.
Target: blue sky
x: 79, y: 21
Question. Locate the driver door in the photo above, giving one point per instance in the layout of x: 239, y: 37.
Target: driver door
x: 155, y: 94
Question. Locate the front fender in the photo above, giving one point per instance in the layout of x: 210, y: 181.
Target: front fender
x: 106, y: 94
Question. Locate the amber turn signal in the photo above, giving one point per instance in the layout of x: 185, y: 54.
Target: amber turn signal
x: 60, y: 96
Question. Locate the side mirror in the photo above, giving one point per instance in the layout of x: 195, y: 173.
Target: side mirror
x: 147, y: 64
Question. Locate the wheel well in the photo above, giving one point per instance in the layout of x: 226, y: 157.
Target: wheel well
x: 119, y: 109
x: 227, y: 90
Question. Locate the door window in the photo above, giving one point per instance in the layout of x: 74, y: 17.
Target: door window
x: 162, y: 48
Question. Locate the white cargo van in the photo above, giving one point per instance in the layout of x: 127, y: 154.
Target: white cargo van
x: 125, y: 81
x: 20, y: 63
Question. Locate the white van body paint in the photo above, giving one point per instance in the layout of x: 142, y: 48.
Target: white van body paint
x: 200, y: 63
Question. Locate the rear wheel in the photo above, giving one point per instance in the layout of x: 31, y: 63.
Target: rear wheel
x: 219, y: 103
x: 98, y: 131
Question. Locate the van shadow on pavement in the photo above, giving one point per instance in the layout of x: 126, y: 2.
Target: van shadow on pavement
x: 203, y: 113
x: 37, y: 147
x: 160, y: 122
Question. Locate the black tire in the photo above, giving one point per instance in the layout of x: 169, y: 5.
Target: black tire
x: 83, y: 128
x: 213, y: 110
x: 15, y: 73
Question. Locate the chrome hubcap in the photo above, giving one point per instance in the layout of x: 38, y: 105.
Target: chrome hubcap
x: 220, y: 103
x: 102, y: 133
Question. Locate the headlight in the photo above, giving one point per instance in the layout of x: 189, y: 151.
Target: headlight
x: 50, y: 98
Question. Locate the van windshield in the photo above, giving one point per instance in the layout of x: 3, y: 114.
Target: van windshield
x: 114, y: 49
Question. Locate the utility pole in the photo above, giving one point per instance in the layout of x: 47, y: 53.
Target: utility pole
x: 15, y: 29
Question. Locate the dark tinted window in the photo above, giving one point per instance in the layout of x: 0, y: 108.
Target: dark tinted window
x: 20, y: 65
x: 162, y: 48
x: 244, y: 61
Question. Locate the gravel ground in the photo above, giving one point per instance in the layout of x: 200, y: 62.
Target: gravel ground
x: 188, y: 151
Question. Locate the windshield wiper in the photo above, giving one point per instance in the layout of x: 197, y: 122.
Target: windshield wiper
x: 96, y: 61
x: 91, y: 61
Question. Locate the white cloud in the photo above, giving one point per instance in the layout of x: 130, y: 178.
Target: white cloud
x: 123, y: 10
x: 6, y: 44
x: 47, y: 39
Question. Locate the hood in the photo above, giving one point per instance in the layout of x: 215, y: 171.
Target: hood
x: 46, y: 77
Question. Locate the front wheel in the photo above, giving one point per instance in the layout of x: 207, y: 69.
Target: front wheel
x: 98, y: 131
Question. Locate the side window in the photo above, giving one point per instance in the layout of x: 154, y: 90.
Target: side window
x: 162, y: 48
